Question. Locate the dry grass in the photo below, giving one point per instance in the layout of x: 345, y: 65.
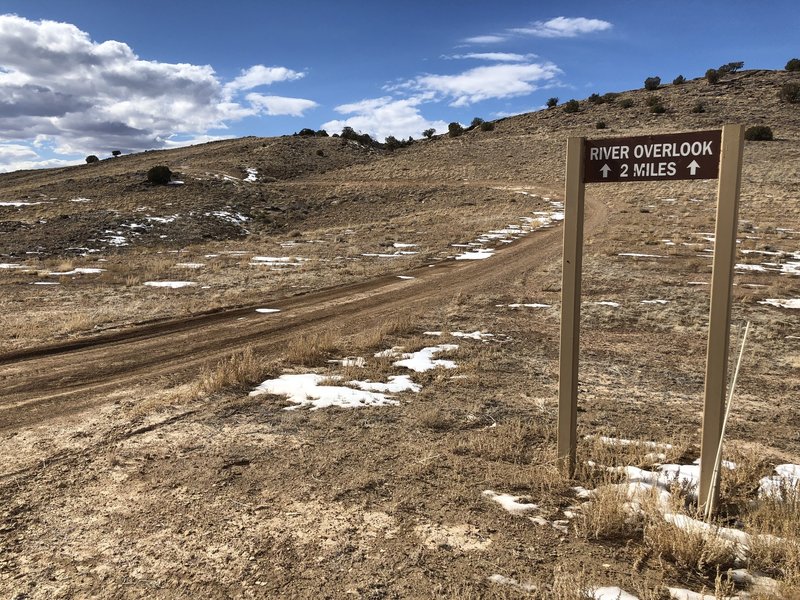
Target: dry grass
x: 237, y: 371
x: 311, y: 350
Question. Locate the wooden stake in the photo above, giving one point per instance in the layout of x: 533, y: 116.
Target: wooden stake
x: 730, y: 174
x: 571, y: 304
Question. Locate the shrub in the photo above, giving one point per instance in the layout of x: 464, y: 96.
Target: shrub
x: 306, y: 132
x: 626, y: 103
x: 487, y: 126
x: 321, y: 133
x: 455, y: 129
x: 600, y: 125
x: 115, y: 153
x: 348, y: 133
x: 730, y: 67
x: 428, y: 133
x: 712, y: 76
x: 596, y: 99
x: 698, y: 108
x: 572, y: 106
x: 790, y: 92
x: 652, y: 100
x: 476, y: 122
x: 610, y: 97
x: 658, y: 108
x: 159, y: 175
x: 793, y: 64
x: 652, y: 83
x: 392, y: 143
x: 91, y: 159
x: 679, y: 80
x: 320, y: 152
x: 552, y: 102
x: 758, y: 133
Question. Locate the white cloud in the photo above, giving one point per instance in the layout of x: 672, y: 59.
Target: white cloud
x: 559, y: 27
x: 486, y: 39
x: 15, y: 157
x: 562, y: 27
x: 382, y: 117
x: 483, y: 83
x: 69, y: 94
x: 279, y: 105
x: 497, y: 56
x: 259, y: 75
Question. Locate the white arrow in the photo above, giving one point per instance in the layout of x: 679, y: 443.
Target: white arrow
x: 693, y: 166
x: 605, y: 170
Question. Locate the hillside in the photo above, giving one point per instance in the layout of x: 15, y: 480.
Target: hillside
x: 318, y: 369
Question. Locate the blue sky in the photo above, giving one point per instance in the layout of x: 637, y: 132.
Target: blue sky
x: 86, y: 77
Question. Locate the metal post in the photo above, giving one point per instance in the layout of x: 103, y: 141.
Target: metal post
x: 730, y: 174
x: 571, y: 304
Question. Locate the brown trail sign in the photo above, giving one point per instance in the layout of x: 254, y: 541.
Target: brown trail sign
x: 690, y: 155
x: 693, y: 155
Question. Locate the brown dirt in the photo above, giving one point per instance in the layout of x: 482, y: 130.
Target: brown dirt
x: 118, y: 481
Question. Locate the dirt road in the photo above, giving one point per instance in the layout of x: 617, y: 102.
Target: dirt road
x: 45, y: 383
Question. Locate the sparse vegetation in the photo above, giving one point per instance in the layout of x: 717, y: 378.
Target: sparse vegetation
x: 476, y: 122
x: 600, y: 125
x: 698, y: 107
x: 712, y: 76
x: 487, y: 126
x: 596, y: 99
x: 758, y: 133
x: 793, y: 64
x: 159, y: 175
x: 238, y: 371
x: 790, y: 92
x: 610, y: 97
x: 730, y: 67
x: 348, y: 133
x: 428, y: 133
x: 571, y: 106
x: 552, y: 102
x: 652, y: 83
x: 455, y: 129
x: 116, y: 153
x: 680, y: 79
x: 626, y: 103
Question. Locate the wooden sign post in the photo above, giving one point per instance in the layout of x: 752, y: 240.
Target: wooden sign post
x: 679, y: 156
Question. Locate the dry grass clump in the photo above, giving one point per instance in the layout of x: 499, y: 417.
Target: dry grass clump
x: 240, y: 370
x: 375, y: 337
x: 516, y: 441
x: 311, y: 350
x: 610, y: 514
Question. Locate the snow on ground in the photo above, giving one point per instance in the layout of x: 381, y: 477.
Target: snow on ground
x: 510, y: 503
x: 169, y: 284
x: 786, y: 478
x: 305, y: 390
x: 639, y: 255
x: 607, y: 303
x: 782, y: 302
x: 80, y: 200
x: 422, y: 360
x: 655, y: 301
x: 190, y: 265
x: 528, y: 305
x: 115, y: 239
x: 267, y: 311
x: 475, y: 335
x: 402, y: 245
x: 11, y: 266
x: 404, y: 277
x: 78, y: 271
x: 476, y: 255
x: 20, y: 204
x: 278, y: 261
x: 252, y: 175
x: 45, y: 283
x: 397, y: 254
x: 611, y: 593
x: 511, y: 582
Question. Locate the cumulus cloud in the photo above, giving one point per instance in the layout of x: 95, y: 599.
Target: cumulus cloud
x: 496, y: 56
x: 280, y: 105
x: 483, y: 83
x: 385, y: 116
x: 558, y: 27
x: 563, y: 27
x: 57, y: 84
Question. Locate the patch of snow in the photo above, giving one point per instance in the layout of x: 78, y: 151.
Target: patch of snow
x: 175, y: 182
x: 79, y: 271
x: 169, y: 284
x: 395, y: 385
x: 655, y: 301
x: 305, y: 390
x: 476, y: 255
x: 611, y: 593
x: 162, y: 220
x: 267, y: 311
x: 404, y: 277
x: 510, y: 503
x: 639, y: 255
x: 11, y: 266
x: 528, y: 305
x: 746, y: 267
x: 278, y: 261
x: 252, y: 175
x: 45, y: 283
x: 607, y: 303
x: 116, y: 240
x: 782, y: 302
x: 402, y: 245
x: 81, y: 200
x: 350, y: 361
x: 423, y: 360
x: 190, y: 265
x: 787, y: 478
x: 20, y: 204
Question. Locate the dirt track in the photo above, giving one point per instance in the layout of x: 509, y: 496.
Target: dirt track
x: 45, y: 383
